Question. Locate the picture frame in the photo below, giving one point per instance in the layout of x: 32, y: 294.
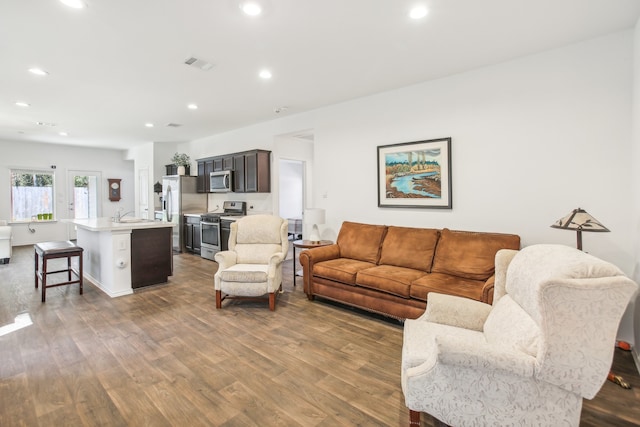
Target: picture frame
x: 415, y: 174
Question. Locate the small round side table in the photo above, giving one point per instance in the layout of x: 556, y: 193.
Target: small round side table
x: 305, y: 244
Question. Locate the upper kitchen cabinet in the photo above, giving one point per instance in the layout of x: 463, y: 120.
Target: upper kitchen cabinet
x: 205, y: 167
x: 251, y: 171
x: 238, y: 173
x: 257, y: 165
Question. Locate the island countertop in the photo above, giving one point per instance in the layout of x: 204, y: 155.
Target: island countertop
x: 107, y: 224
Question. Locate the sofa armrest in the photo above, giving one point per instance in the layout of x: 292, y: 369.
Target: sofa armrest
x: 309, y: 257
x: 503, y: 259
x: 487, y: 290
x: 456, y: 311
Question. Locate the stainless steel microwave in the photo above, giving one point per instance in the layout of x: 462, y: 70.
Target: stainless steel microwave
x: 221, y: 182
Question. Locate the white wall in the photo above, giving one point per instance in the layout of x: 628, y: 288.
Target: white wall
x: 533, y: 139
x: 111, y: 163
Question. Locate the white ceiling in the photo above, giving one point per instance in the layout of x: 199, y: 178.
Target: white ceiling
x: 119, y: 64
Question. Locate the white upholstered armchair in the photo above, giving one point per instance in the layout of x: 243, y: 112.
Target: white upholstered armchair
x: 546, y: 343
x: 252, y: 267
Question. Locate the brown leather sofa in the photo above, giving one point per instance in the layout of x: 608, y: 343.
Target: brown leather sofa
x: 390, y: 270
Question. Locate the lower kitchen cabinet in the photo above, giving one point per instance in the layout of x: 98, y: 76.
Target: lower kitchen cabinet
x: 192, y: 234
x: 151, y: 256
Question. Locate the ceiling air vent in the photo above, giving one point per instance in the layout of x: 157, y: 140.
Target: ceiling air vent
x: 198, y: 63
x: 173, y: 125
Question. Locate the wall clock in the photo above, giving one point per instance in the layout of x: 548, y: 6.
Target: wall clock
x: 114, y: 190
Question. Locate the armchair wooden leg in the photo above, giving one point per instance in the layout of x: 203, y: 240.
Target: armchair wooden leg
x: 218, y: 299
x: 414, y: 418
x: 272, y: 301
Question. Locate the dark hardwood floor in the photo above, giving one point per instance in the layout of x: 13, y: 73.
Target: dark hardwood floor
x: 165, y: 356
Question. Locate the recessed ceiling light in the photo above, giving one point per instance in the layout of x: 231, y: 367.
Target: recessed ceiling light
x: 149, y: 125
x: 76, y: 4
x: 418, y: 12
x: 251, y: 8
x: 265, y: 74
x: 22, y: 104
x: 192, y: 107
x: 63, y: 134
x: 38, y: 71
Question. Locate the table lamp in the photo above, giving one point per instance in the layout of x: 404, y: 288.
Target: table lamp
x: 314, y: 216
x: 579, y: 220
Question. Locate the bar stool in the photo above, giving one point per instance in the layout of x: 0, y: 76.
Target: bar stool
x: 53, y: 250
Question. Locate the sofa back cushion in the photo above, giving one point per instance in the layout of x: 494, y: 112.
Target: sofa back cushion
x: 470, y: 254
x: 361, y: 241
x: 409, y: 247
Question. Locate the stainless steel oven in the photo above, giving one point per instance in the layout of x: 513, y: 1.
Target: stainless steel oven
x: 209, y: 236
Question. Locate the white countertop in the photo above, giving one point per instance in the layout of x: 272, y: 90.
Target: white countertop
x: 232, y: 218
x: 127, y: 223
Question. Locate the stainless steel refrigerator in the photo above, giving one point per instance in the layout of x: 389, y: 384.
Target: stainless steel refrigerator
x: 179, y: 197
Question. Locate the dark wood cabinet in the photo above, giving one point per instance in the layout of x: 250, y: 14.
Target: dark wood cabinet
x: 238, y: 173
x: 225, y: 232
x: 173, y: 170
x: 204, y: 169
x: 192, y: 234
x: 257, y: 165
x: 251, y: 171
x: 227, y: 163
x: 151, y: 256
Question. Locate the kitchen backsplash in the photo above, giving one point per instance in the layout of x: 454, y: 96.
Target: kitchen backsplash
x: 256, y: 202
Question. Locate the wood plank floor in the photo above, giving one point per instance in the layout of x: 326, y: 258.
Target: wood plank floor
x: 165, y: 356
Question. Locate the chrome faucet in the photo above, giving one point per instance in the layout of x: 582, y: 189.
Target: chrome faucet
x: 119, y: 215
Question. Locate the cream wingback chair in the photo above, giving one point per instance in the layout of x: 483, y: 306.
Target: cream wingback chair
x: 5, y: 242
x: 252, y: 267
x: 529, y: 359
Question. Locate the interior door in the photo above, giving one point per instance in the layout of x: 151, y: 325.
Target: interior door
x: 83, y: 197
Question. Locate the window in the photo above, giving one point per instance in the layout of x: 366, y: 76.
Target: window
x: 32, y: 195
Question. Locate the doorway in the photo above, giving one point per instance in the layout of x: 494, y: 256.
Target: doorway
x: 291, y: 200
x: 84, y: 197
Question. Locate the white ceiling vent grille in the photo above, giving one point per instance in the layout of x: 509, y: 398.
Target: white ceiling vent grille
x: 198, y: 63
x: 173, y: 125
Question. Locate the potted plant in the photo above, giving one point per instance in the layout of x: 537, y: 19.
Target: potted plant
x: 181, y: 160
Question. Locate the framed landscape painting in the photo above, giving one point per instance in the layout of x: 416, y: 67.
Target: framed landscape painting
x: 415, y: 174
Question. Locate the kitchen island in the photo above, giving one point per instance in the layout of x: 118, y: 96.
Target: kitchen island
x: 122, y: 256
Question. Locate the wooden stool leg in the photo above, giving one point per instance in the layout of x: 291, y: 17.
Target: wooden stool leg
x: 69, y: 268
x: 36, y: 269
x: 80, y: 271
x: 44, y: 277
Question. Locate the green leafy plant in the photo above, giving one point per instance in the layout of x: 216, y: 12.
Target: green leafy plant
x: 181, y: 159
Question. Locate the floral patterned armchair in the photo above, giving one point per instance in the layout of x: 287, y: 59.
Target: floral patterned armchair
x: 529, y: 359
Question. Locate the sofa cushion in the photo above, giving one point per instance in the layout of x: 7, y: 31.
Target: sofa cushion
x: 469, y: 254
x: 446, y: 284
x: 409, y: 247
x: 342, y: 270
x: 361, y: 241
x: 389, y: 278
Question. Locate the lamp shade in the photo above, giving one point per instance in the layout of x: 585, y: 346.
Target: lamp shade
x: 579, y: 220
x: 314, y: 217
